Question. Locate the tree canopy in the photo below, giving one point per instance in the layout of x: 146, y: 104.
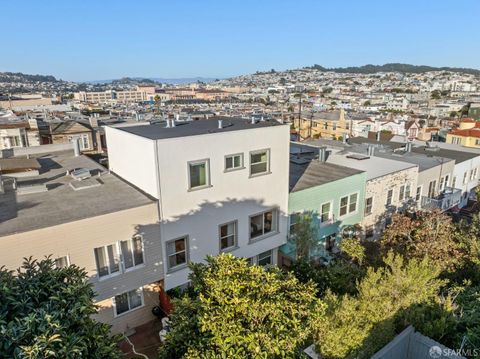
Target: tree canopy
x: 45, y: 312
x: 241, y: 311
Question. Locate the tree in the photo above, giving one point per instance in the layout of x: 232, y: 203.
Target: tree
x: 357, y: 327
x: 240, y: 311
x: 435, y: 95
x: 303, y: 236
x: 45, y: 312
x: 367, y: 103
x: 429, y: 234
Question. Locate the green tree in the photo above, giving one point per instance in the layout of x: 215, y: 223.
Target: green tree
x: 45, y: 312
x: 303, y: 235
x: 358, y: 326
x: 430, y: 234
x: 240, y: 311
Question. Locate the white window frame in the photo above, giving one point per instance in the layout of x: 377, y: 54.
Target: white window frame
x: 187, y: 254
x: 65, y: 256
x: 274, y: 230
x: 348, y: 205
x: 401, y: 193
x: 418, y: 194
x: 114, y: 304
x: 465, y: 176
x: 330, y: 213
x: 256, y: 259
x: 122, y: 259
x: 235, y: 236
x: 390, y: 197
x: 207, y: 174
x: 232, y: 156
x: 371, y: 207
x: 116, y: 248
x: 267, y: 171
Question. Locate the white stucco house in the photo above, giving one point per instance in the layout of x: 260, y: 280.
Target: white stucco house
x: 221, y: 185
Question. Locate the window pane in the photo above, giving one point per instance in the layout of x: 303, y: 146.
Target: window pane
x: 101, y: 259
x: 258, y: 157
x: 137, y: 250
x: 135, y: 298
x: 343, y: 206
x: 265, y: 258
x: 198, y: 174
x: 126, y: 247
x: 353, y: 203
x: 61, y: 262
x: 121, y: 303
x: 268, y: 225
x: 229, y: 162
x: 258, y: 168
x: 227, y: 242
x: 237, y: 161
x: 325, y: 215
x: 256, y: 226
x: 113, y: 258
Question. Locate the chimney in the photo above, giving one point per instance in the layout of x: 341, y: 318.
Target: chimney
x: 408, y: 147
x: 220, y: 124
x: 76, y: 146
x: 344, y: 138
x: 322, y: 154
x: 173, y: 122
x: 371, y: 150
x: 253, y: 120
x: 93, y: 120
x: 378, y: 136
x: 262, y: 119
x: 168, y: 123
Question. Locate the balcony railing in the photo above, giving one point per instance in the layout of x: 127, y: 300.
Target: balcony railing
x: 447, y: 199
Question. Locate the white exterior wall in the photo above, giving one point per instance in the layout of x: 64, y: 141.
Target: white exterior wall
x: 232, y: 195
x: 458, y: 173
x: 132, y: 158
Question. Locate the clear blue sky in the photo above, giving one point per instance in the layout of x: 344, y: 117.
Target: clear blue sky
x: 103, y: 39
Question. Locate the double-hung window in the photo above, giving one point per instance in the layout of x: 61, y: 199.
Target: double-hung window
x: 108, y: 260
x: 389, y: 197
x: 348, y: 204
x: 368, y: 206
x: 198, y: 174
x: 263, y: 223
x: 228, y: 235
x: 265, y: 258
x: 259, y: 162
x: 132, y: 252
x: 62, y: 262
x: 177, y: 252
x: 129, y: 253
x: 128, y: 301
x: 407, y: 191
x: 418, y: 195
x: 233, y: 162
x: 401, y: 193
x: 326, y: 212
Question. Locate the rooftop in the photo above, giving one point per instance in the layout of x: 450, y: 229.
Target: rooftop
x: 101, y: 194
x: 315, y: 173
x: 159, y: 131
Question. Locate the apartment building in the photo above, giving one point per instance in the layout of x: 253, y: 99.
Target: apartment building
x: 332, y: 195
x: 89, y: 218
x: 332, y: 124
x: 221, y: 185
x: 468, y: 134
x: 139, y: 94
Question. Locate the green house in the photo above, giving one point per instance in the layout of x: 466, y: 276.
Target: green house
x: 332, y: 195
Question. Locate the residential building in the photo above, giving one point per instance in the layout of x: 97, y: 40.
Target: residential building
x: 221, y: 185
x: 332, y: 124
x: 332, y: 195
x: 468, y: 134
x: 89, y: 218
x: 139, y: 94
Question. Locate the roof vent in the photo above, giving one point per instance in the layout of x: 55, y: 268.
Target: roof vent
x: 358, y: 156
x: 80, y: 174
x: 253, y: 120
x: 220, y: 124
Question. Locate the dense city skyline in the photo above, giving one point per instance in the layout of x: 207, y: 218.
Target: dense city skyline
x: 98, y: 41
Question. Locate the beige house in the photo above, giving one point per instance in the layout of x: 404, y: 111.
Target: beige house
x: 328, y: 125
x: 66, y: 131
x: 99, y: 223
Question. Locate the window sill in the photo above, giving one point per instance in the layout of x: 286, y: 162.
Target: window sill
x: 229, y: 249
x: 177, y: 268
x: 134, y: 268
x: 260, y: 238
x: 199, y: 188
x: 106, y: 277
x: 234, y: 169
x: 260, y: 174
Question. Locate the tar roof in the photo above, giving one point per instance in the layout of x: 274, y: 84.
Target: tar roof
x: 61, y: 204
x: 316, y: 173
x: 374, y: 166
x: 200, y: 127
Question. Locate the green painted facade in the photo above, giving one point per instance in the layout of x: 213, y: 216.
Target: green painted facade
x: 311, y: 199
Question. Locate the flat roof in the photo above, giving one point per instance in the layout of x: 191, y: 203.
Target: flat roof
x: 159, y: 131
x: 316, y: 173
x: 103, y: 193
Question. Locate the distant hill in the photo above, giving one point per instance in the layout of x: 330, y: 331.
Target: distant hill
x: 395, y: 67
x: 152, y: 80
x: 9, y: 77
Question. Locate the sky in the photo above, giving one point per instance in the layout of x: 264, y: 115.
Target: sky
x: 86, y: 40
